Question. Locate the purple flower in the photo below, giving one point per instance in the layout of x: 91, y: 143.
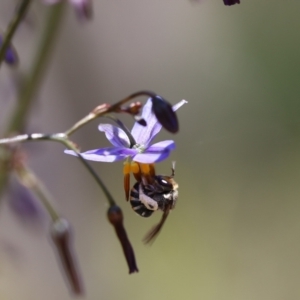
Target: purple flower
x: 11, y: 57
x: 140, y: 151
x: 83, y: 8
x: 24, y: 204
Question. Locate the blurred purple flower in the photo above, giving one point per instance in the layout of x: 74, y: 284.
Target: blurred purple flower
x: 11, y: 57
x: 24, y: 204
x: 83, y: 8
x: 231, y: 2
x: 141, y: 151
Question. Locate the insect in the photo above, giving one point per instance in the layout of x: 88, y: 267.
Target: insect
x: 161, y: 193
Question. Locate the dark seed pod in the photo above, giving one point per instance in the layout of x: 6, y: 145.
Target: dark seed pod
x: 231, y: 2
x: 165, y: 114
x: 61, y: 237
x: 115, y: 217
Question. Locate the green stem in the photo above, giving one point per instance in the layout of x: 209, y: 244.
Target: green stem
x: 31, y: 82
x: 34, y: 78
x: 12, y: 27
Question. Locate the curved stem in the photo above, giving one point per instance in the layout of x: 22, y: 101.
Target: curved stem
x: 63, y: 139
x: 12, y: 27
x: 106, y: 192
x: 34, y: 78
x: 31, y: 83
x: 81, y: 123
x: 115, y: 107
x: 104, y: 109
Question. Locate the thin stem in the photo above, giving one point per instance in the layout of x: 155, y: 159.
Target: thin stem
x: 115, y: 106
x: 80, y: 123
x: 32, y: 81
x: 106, y: 192
x: 12, y: 27
x: 29, y: 179
x: 63, y: 139
x: 26, y: 137
x: 34, y: 78
x: 104, y: 109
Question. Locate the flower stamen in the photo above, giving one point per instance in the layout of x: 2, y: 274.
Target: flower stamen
x: 147, y: 172
x: 135, y: 169
x: 126, y: 172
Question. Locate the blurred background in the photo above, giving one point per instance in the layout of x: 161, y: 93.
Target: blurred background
x: 235, y: 231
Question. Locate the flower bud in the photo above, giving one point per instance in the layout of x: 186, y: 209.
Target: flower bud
x: 24, y: 204
x: 231, y: 2
x: 134, y: 108
x: 83, y: 8
x: 102, y: 108
x: 165, y: 114
x: 115, y: 217
x: 61, y: 236
x: 11, y: 56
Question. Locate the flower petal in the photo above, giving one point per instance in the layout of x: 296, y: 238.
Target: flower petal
x: 163, y: 145
x: 155, y: 153
x: 24, y: 204
x: 110, y: 154
x: 150, y: 158
x: 115, y: 135
x: 144, y: 134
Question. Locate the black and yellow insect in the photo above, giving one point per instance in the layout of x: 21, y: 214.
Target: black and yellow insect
x: 158, y: 193
x: 146, y: 198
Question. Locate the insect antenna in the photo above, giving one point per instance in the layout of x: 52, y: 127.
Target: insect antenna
x: 173, y: 168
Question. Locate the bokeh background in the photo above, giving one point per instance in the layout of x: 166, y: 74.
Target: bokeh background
x: 235, y: 231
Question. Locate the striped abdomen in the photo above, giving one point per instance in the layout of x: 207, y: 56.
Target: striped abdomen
x: 136, y: 204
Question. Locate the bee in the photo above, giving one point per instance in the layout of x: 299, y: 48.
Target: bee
x: 161, y: 193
